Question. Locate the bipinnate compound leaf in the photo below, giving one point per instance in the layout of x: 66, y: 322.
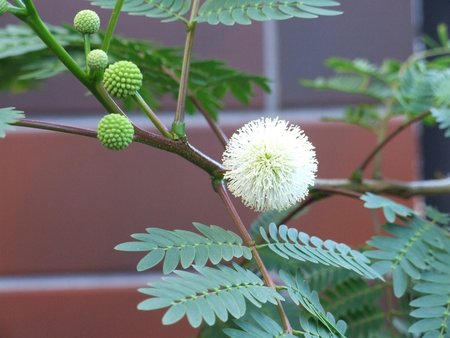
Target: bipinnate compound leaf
x: 166, y: 10
x: 351, y: 295
x: 258, y: 325
x: 405, y: 254
x: 25, y: 61
x: 209, y: 294
x: 432, y: 307
x: 290, y: 243
x: 243, y: 12
x: 301, y: 294
x: 183, y: 247
x: 8, y: 116
x: 390, y: 208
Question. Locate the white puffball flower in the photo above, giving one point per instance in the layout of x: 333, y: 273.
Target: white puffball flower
x: 269, y: 164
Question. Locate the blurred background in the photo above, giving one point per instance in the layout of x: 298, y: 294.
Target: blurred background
x: 65, y: 201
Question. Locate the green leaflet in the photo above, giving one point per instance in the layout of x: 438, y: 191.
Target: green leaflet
x: 230, y: 12
x: 258, y: 325
x: 300, y: 294
x: 289, y: 243
x: 406, y: 254
x: 166, y: 10
x: 209, y: 294
x: 390, y: 208
x: 432, y: 308
x: 186, y: 247
x: 8, y: 116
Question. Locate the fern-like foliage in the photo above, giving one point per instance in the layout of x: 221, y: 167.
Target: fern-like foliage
x: 186, y: 247
x: 442, y: 116
x: 432, y: 308
x: 166, y: 10
x: 8, y: 116
x: 301, y: 294
x: 25, y: 61
x: 257, y: 325
x: 244, y: 12
x: 290, y: 243
x: 405, y: 254
x: 366, y: 322
x: 209, y: 294
x: 17, y: 40
x: 416, y: 91
x: 358, y: 77
x: 350, y: 295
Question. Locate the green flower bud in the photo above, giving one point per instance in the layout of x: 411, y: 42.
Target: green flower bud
x: 115, y: 132
x: 97, y: 59
x: 122, y: 79
x: 3, y: 6
x: 86, y: 22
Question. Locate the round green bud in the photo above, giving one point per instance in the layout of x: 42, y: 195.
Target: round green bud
x: 86, y: 22
x: 122, y: 79
x: 3, y: 6
x: 97, y: 59
x: 115, y: 132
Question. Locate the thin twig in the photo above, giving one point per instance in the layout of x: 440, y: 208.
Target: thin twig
x: 220, y: 134
x: 222, y: 191
x: 391, y: 187
x: 389, y: 138
x: 181, y: 148
x: 55, y: 127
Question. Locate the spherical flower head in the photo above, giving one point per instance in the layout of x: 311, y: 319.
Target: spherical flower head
x: 115, y: 131
x: 87, y: 22
x: 269, y: 164
x: 122, y: 79
x: 97, y: 59
x: 3, y: 6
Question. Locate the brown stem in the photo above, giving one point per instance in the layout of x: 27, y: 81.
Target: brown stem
x: 55, y: 127
x: 212, y: 124
x: 223, y: 193
x: 316, y: 195
x: 390, y: 187
x: 338, y: 191
x: 389, y: 138
x: 181, y: 148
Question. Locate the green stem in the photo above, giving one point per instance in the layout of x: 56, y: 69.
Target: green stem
x: 87, y: 49
x: 20, y: 12
x: 112, y: 25
x: 178, y: 126
x: 152, y: 116
x: 223, y: 193
x: 38, y: 26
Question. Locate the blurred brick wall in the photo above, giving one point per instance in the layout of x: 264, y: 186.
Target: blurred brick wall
x: 66, y: 202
